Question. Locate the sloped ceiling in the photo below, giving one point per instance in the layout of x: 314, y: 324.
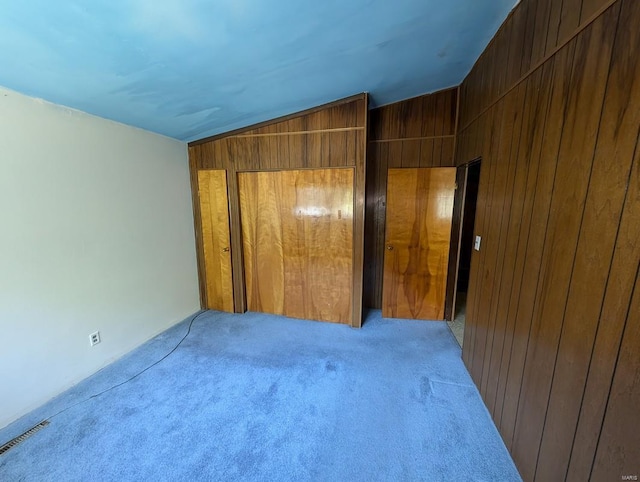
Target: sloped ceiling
x: 192, y: 68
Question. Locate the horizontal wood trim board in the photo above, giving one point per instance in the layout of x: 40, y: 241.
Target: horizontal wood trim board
x: 425, y: 138
x: 297, y: 133
x: 277, y: 169
x: 540, y: 63
x: 284, y: 118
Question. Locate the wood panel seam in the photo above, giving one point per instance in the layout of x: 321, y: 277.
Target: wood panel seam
x: 297, y: 133
x: 423, y: 138
x: 613, y: 376
x: 584, y: 206
x: 544, y: 60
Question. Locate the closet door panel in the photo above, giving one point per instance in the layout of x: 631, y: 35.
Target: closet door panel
x: 214, y: 213
x: 261, y: 203
x: 417, y: 240
x: 298, y: 242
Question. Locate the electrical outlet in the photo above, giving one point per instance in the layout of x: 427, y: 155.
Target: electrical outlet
x: 476, y: 244
x: 94, y: 338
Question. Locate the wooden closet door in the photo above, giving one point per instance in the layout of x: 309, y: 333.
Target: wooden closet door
x: 297, y: 230
x: 214, y: 214
x: 417, y: 238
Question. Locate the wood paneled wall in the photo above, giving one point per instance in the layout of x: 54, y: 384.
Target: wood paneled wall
x: 553, y: 109
x: 328, y: 136
x: 418, y: 132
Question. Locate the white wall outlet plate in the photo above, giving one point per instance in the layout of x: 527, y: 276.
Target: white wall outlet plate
x: 476, y: 244
x: 94, y: 338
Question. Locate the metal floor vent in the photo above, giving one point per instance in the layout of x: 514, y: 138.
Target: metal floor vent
x: 21, y: 438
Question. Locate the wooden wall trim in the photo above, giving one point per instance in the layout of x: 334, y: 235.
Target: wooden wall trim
x: 455, y: 245
x: 549, y: 56
x: 423, y: 138
x: 275, y: 169
x: 359, y: 221
x: 237, y: 251
x: 298, y: 133
x: 284, y: 118
x: 195, y: 201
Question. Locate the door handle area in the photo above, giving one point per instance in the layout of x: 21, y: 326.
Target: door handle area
x: 389, y: 247
x: 225, y: 250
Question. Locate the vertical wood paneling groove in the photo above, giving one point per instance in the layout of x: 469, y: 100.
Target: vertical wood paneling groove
x: 513, y: 294
x: 491, y: 275
x: 470, y: 116
x: 534, y: 264
x: 518, y: 223
x: 590, y: 68
x: 544, y: 143
x: 588, y: 296
x: 618, y: 445
x: 626, y: 251
x: 529, y: 35
x: 559, y: 212
x: 485, y: 272
x: 511, y: 129
x: 608, y: 337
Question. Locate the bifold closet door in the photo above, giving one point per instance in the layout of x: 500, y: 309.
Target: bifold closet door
x: 417, y: 239
x: 297, y: 230
x: 214, y: 218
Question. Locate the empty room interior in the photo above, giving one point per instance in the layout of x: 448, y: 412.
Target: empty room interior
x: 320, y: 241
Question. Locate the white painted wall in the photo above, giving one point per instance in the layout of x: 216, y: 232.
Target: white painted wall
x: 96, y: 233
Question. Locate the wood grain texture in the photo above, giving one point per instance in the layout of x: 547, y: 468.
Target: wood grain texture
x: 618, y: 453
x: 484, y: 267
x: 418, y: 235
x: 511, y: 271
x: 418, y: 132
x: 504, y: 183
x: 617, y: 144
x: 610, y: 171
x: 584, y: 106
x: 523, y: 34
x: 569, y: 18
x: 552, y: 288
x: 214, y: 218
x: 298, y: 242
x: 546, y: 124
x: 333, y: 135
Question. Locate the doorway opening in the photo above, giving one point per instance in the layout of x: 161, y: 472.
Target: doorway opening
x: 467, y: 222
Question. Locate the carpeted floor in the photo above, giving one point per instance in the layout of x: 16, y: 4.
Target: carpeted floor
x: 260, y: 397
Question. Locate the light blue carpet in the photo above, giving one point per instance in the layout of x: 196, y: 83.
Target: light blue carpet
x: 260, y: 397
